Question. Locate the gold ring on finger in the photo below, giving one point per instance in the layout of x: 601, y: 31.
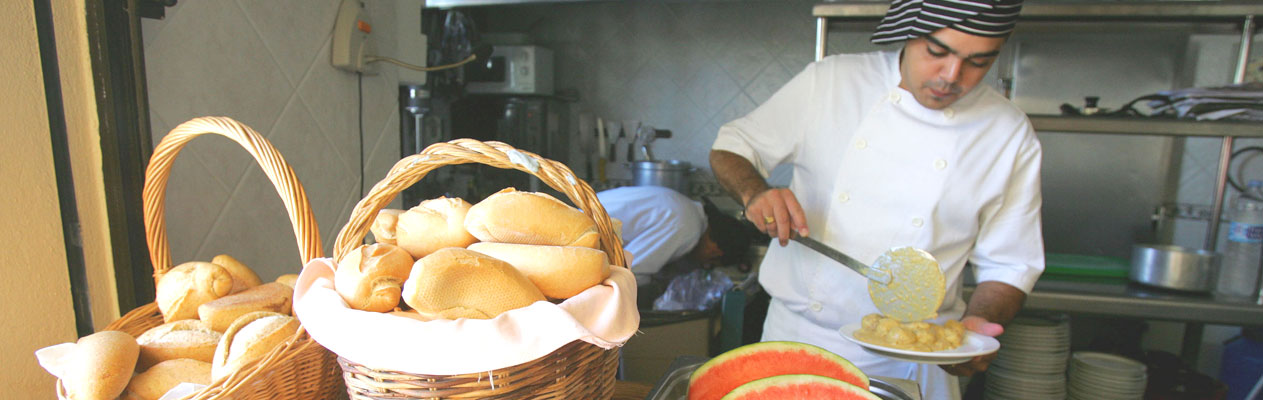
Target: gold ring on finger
x: 769, y: 220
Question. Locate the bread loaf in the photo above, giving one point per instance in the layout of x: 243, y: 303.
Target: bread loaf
x: 432, y: 225
x: 272, y: 296
x: 250, y: 337
x: 383, y: 226
x: 371, y: 277
x: 187, y: 338
x: 458, y: 283
x: 102, y: 366
x: 558, y: 271
x: 510, y: 216
x: 182, y: 289
x: 157, y: 380
x: 242, y: 276
x: 288, y: 279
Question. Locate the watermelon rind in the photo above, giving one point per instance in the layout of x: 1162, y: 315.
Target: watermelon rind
x: 799, y: 386
x: 760, y: 360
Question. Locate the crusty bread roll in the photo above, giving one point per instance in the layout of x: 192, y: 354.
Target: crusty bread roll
x: 242, y: 276
x: 186, y: 338
x: 510, y: 216
x: 432, y: 225
x: 371, y: 277
x: 102, y: 366
x: 383, y: 226
x: 157, y: 380
x: 288, y: 279
x: 250, y: 337
x: 558, y: 271
x: 458, y: 283
x: 272, y: 296
x: 182, y: 289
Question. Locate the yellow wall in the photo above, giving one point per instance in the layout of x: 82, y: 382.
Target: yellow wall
x: 36, y: 307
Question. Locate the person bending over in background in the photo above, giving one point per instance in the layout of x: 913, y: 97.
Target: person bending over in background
x: 895, y: 148
x: 669, y: 234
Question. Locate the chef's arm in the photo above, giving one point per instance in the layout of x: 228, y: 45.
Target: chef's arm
x: 775, y: 211
x: 995, y: 301
x: 737, y: 175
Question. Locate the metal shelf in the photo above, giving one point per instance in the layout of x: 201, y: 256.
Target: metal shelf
x: 1184, y: 11
x: 1145, y: 126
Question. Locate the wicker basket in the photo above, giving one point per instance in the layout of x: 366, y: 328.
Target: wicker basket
x: 577, y: 370
x: 299, y: 368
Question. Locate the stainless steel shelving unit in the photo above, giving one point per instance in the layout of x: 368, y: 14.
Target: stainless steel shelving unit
x: 1241, y: 13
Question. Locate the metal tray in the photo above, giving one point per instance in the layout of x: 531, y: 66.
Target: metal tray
x: 674, y: 384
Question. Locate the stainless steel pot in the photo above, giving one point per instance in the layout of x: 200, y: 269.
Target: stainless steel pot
x: 1174, y: 267
x: 667, y: 173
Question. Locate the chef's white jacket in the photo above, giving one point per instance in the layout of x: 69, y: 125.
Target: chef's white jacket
x: 660, y: 225
x: 874, y: 169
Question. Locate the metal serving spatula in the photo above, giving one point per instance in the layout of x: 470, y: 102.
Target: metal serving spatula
x: 905, y: 283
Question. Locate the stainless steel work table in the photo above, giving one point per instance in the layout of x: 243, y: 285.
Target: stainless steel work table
x: 1130, y: 300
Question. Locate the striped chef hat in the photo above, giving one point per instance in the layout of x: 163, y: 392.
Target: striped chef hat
x: 907, y: 19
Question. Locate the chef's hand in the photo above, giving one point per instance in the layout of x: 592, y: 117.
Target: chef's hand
x: 776, y: 212
x: 977, y: 364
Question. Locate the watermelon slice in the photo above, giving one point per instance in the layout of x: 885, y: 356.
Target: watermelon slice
x: 799, y: 387
x: 747, y: 363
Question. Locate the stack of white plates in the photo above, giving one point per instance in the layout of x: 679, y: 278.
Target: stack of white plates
x: 1101, y: 376
x: 1032, y: 360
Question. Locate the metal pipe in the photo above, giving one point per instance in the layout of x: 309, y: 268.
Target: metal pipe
x: 822, y: 36
x: 1225, y: 150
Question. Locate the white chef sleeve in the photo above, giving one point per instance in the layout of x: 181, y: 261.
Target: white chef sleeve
x: 1010, y: 245
x: 771, y: 133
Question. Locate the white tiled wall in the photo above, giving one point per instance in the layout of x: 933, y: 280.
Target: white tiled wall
x: 266, y: 64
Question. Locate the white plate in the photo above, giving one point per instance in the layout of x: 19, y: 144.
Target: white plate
x: 974, y: 345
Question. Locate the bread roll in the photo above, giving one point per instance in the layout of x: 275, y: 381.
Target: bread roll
x: 383, y: 226
x: 182, y: 289
x: 157, y: 380
x: 250, y: 338
x: 510, y: 216
x: 242, y: 276
x: 187, y: 338
x: 371, y: 277
x: 288, y: 279
x: 411, y: 314
x: 458, y: 283
x: 558, y: 271
x: 102, y: 366
x: 432, y: 225
x: 273, y: 296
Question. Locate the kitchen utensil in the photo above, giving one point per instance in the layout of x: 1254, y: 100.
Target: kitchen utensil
x: 673, y: 174
x: 905, y: 283
x: 1174, y: 267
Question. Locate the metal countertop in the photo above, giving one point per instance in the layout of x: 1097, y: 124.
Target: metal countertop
x: 1133, y: 300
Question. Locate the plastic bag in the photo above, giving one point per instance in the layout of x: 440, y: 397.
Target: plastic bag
x: 698, y: 290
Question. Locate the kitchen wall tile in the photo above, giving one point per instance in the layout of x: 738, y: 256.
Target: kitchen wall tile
x: 268, y: 67
x: 292, y: 30
x: 769, y: 80
x: 254, y: 228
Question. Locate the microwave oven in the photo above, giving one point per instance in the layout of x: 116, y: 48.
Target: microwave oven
x: 518, y: 69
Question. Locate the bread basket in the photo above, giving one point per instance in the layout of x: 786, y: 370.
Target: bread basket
x: 576, y: 370
x: 298, y: 369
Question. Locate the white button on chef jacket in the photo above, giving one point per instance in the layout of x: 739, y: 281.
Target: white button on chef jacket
x: 985, y: 209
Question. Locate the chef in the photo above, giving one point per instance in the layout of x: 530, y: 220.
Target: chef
x: 895, y: 148
x: 669, y: 234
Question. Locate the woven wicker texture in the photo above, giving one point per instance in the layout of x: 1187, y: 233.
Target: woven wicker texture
x: 298, y: 369
x: 578, y: 370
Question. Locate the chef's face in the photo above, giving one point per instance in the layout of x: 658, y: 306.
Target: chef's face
x: 707, y: 252
x: 943, y: 66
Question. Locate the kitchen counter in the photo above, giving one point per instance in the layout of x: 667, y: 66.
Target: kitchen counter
x: 1125, y: 299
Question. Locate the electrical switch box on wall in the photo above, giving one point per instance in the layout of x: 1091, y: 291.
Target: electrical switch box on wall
x: 352, y: 40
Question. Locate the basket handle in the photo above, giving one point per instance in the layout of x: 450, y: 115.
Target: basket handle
x: 277, y: 170
x: 411, y: 169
